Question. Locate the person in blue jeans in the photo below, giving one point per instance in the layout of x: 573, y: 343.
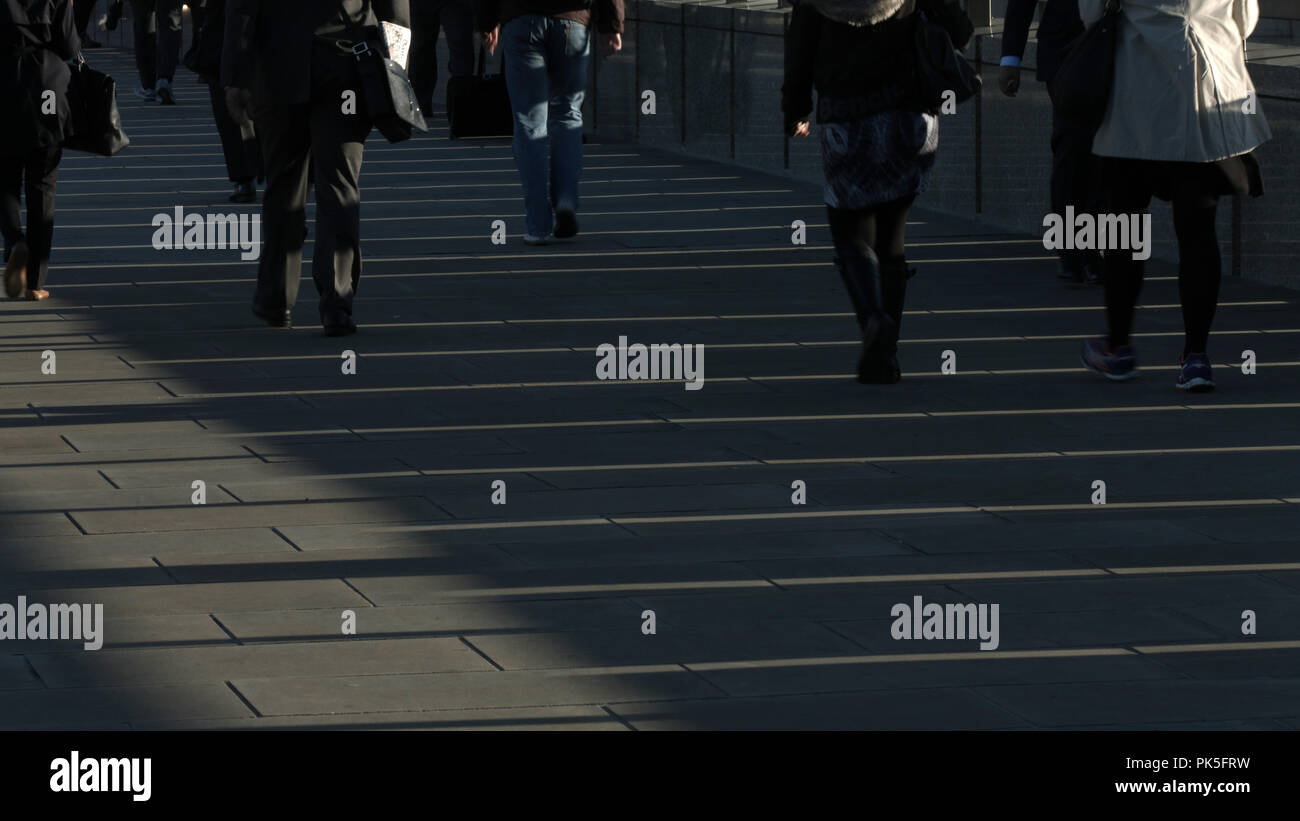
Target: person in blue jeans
x: 547, y: 46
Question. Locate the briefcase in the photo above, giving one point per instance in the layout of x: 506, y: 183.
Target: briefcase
x: 479, y: 106
x: 93, y: 121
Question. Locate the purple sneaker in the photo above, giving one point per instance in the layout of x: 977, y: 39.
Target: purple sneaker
x: 1118, y: 365
x: 1195, y: 375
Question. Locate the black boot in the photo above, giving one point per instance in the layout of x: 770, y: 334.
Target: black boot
x: 861, y: 278
x: 882, y: 358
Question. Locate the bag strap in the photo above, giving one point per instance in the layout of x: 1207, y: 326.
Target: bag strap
x: 361, y: 46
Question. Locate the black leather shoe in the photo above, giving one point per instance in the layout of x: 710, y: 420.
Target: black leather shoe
x: 276, y: 319
x: 338, y: 323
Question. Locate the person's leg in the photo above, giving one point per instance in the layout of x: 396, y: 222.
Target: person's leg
x: 891, y: 228
x: 1129, y: 192
x: 171, y: 33
x: 523, y: 40
x: 423, y: 60
x: 144, y: 30
x: 337, y: 145
x: 1070, y: 153
x: 11, y: 225
x: 569, y: 49
x: 232, y: 138
x: 42, y: 176
x: 854, y: 234
x: 11, y: 187
x: 458, y: 26
x: 286, y: 143
x: 1200, y: 269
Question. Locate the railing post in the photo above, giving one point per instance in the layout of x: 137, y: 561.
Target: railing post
x: 682, y: 109
x: 636, y: 74
x: 785, y: 31
x: 731, y: 96
x: 979, y: 135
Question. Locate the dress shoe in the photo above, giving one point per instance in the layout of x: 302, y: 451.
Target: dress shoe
x: 282, y: 318
x: 16, y: 270
x: 339, y: 326
x: 163, y: 92
x: 244, y: 192
x: 338, y: 323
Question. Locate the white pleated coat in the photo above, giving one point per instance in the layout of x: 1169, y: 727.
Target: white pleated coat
x: 1181, y: 89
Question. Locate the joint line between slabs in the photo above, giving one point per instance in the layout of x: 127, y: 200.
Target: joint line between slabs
x: 483, y: 655
x: 241, y: 697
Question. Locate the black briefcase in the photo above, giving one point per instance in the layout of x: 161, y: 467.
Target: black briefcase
x: 479, y: 106
x: 94, y: 124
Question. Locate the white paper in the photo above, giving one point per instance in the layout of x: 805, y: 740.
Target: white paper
x: 399, y: 42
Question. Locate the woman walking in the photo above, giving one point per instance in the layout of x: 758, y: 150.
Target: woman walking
x: 37, y: 38
x: 878, y: 145
x: 1181, y: 124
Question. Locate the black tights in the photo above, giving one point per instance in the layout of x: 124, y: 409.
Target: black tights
x: 1199, y: 266
x: 876, y: 234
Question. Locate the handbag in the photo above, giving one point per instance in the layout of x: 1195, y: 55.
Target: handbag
x: 479, y: 106
x: 1080, y: 89
x: 94, y: 124
x: 386, y: 91
x: 940, y: 68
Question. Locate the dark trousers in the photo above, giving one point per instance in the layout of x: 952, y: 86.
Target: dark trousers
x: 456, y: 18
x: 1130, y: 185
x: 1074, y: 181
x: 40, y: 170
x: 81, y: 12
x: 243, y: 157
x: 158, y: 29
x: 314, y: 138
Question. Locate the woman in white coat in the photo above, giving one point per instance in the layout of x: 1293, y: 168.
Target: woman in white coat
x: 1181, y: 124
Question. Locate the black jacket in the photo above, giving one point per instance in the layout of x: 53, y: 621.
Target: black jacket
x: 1059, y: 25
x: 845, y: 62
x: 37, y: 38
x: 268, y: 43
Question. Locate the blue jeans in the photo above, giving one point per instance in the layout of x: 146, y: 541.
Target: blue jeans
x: 546, y: 74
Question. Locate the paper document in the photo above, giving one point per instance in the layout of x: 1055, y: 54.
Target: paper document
x: 399, y: 42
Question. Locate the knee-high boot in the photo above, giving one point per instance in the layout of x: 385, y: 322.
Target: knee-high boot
x: 862, y: 279
x: 882, y: 359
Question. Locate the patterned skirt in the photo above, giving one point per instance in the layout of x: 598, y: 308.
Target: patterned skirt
x: 878, y: 158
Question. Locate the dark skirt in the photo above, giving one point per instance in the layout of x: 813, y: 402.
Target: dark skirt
x: 1169, y: 180
x: 878, y: 158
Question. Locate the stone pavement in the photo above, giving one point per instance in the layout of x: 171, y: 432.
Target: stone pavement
x: 372, y: 492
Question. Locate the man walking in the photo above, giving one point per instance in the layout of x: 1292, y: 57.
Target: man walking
x: 158, y: 28
x: 547, y: 45
x: 1073, y: 168
x: 289, y: 65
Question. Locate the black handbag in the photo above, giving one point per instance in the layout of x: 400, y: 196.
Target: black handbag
x: 386, y: 91
x: 479, y: 106
x: 940, y: 68
x: 1080, y: 89
x: 94, y: 125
